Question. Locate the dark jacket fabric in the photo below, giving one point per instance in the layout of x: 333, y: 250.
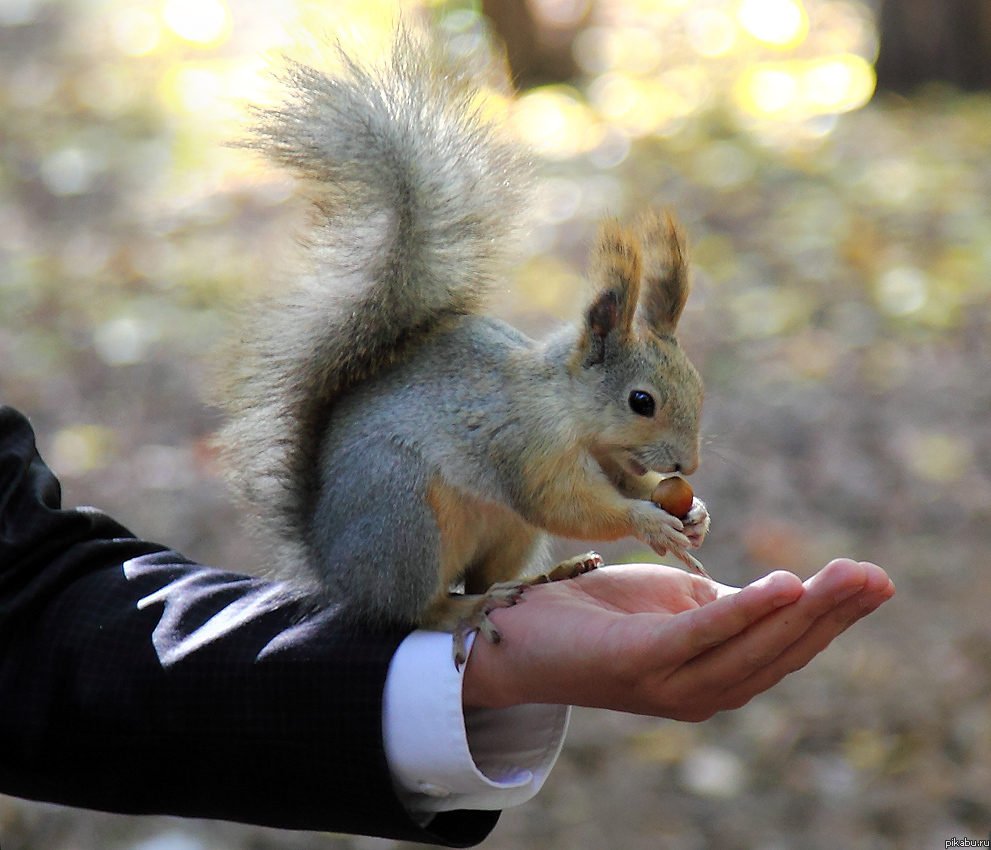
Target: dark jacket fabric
x: 133, y: 680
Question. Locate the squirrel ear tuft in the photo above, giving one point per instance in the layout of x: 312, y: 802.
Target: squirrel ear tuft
x: 603, y: 314
x: 617, y: 268
x: 665, y: 274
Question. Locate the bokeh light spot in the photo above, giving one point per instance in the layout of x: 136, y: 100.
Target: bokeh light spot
x: 782, y: 23
x: 205, y: 22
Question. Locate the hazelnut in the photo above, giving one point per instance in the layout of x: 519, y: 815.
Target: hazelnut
x: 673, y: 495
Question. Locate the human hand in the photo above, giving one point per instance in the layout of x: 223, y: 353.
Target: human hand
x: 659, y: 641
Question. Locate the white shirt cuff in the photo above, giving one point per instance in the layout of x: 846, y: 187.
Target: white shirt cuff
x: 444, y: 758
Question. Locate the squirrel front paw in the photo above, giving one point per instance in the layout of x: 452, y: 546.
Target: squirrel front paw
x: 696, y: 523
x: 657, y: 528
x: 665, y: 533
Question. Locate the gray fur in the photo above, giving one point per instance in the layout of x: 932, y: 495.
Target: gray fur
x: 366, y: 548
x: 414, y: 199
x: 429, y: 417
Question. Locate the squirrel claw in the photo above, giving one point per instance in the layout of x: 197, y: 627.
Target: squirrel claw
x: 690, y: 561
x: 501, y: 595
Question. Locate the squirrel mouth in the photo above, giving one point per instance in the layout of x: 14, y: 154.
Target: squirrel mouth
x: 634, y: 466
x: 629, y: 476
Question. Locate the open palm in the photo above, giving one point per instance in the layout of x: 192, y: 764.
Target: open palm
x: 657, y: 640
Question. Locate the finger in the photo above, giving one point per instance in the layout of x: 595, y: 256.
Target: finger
x: 715, y: 623
x: 816, y: 639
x: 843, y: 572
x: 728, y: 665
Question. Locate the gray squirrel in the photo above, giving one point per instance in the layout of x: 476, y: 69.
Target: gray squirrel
x: 392, y: 439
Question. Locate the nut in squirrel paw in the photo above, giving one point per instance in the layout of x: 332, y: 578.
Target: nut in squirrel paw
x: 675, y: 496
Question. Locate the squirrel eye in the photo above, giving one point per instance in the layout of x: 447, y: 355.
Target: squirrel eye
x: 642, y: 403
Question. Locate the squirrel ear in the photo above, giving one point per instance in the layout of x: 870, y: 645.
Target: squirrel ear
x: 617, y: 267
x: 665, y: 274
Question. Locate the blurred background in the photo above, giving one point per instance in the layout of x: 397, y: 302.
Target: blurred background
x: 829, y: 160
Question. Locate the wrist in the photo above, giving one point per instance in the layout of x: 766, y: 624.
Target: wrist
x: 490, y: 679
x: 479, y: 687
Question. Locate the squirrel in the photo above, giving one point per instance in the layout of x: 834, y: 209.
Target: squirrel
x: 393, y: 439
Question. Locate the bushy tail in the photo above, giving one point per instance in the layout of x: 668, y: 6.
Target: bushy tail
x: 414, y: 198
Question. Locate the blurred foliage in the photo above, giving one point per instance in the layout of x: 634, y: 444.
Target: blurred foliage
x: 840, y: 318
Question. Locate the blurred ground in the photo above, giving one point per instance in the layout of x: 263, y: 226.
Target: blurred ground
x: 841, y: 320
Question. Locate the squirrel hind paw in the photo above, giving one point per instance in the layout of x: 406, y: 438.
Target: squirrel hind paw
x: 571, y: 568
x: 465, y: 615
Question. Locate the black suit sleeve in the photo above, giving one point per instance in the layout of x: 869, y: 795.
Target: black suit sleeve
x: 135, y: 681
